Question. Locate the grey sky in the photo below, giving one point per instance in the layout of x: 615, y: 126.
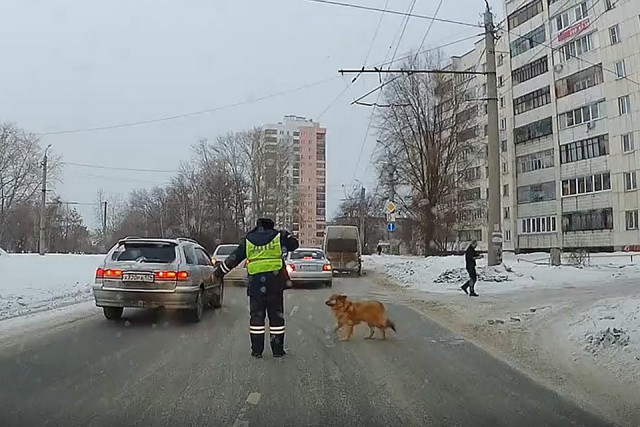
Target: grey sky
x: 71, y: 64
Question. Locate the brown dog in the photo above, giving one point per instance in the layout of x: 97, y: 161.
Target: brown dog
x: 351, y: 313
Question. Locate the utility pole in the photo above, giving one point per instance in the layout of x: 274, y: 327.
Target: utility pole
x: 363, y: 230
x: 494, y: 233
x: 43, y: 202
x: 104, y: 226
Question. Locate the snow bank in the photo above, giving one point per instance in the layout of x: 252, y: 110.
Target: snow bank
x: 447, y: 274
x: 32, y: 283
x: 3, y: 252
x: 609, y: 332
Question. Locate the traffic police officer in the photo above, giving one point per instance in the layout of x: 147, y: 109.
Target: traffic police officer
x: 264, y: 248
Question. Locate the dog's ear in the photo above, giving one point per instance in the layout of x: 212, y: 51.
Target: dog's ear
x: 342, y: 297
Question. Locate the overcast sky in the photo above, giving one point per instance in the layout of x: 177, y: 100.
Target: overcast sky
x: 74, y: 64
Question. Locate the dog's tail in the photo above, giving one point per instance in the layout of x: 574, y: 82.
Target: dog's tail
x: 391, y: 325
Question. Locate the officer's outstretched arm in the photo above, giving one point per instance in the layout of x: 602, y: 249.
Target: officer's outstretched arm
x: 289, y: 241
x: 232, y: 260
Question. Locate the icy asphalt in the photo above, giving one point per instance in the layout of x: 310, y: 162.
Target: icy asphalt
x: 156, y: 370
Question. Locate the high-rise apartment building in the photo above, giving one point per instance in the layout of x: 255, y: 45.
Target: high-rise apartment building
x: 569, y: 101
x: 300, y: 204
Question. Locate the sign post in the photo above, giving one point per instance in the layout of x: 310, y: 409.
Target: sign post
x: 390, y: 208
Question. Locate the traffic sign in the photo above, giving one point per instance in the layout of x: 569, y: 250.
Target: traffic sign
x: 391, y: 227
x: 391, y: 217
x: 390, y: 206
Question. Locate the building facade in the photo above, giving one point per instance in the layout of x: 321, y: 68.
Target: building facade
x: 297, y: 177
x: 569, y: 105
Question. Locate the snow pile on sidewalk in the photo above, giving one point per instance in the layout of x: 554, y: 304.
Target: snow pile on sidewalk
x: 446, y: 274
x: 610, y: 333
x: 30, y: 283
x: 3, y: 252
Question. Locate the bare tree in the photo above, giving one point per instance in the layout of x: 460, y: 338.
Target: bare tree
x: 423, y: 140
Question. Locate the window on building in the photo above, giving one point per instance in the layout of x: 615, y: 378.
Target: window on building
x: 505, y: 190
x: 586, y: 184
x: 630, y: 182
x: 528, y: 41
x: 624, y: 105
x: 584, y: 149
x: 502, y: 102
x: 631, y: 220
x: 505, y: 167
x: 506, y: 212
x: 627, y: 143
x: 470, y: 194
x: 524, y: 14
x: 621, y: 70
x: 609, y: 4
x: 534, y: 193
x: 500, y: 59
x: 471, y: 174
x: 532, y: 100
x: 503, y: 124
x: 593, y: 111
x: 503, y: 145
x: 533, y: 131
x: 469, y: 235
x: 579, y: 81
x: 537, y: 225
x: 591, y: 220
x: 614, y: 34
x: 507, y: 235
x: 535, y: 161
x: 500, y: 81
x: 530, y: 70
x: 576, y: 48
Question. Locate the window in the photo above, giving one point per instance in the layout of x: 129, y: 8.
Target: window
x: 614, y: 34
x: 528, y: 41
x: 532, y: 131
x: 582, y: 115
x: 502, y: 102
x: 471, y: 173
x: 568, y: 17
x: 532, y: 100
x: 579, y: 81
x: 591, y: 220
x: 630, y: 182
x: 584, y: 149
x: 505, y: 167
x: 537, y: 192
x: 500, y: 60
x: 524, y: 14
x: 507, y: 235
x: 537, y: 225
x: 586, y: 184
x: 503, y: 145
x: 609, y: 4
x: 503, y: 124
x: 535, y: 161
x: 203, y: 258
x: 530, y: 70
x: 473, y: 215
x: 470, y: 194
x: 506, y: 212
x: 469, y: 235
x: 500, y: 81
x: 576, y: 48
x: 505, y: 190
x: 627, y: 143
x: 467, y: 134
x: 621, y: 70
x: 624, y: 104
x: 631, y: 220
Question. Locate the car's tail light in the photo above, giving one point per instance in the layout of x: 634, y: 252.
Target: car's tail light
x: 326, y: 267
x: 111, y: 274
x: 291, y: 267
x: 165, y: 275
x: 99, y: 273
x: 183, y: 276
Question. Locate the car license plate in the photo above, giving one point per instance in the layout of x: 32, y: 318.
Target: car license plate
x: 308, y: 267
x: 137, y: 277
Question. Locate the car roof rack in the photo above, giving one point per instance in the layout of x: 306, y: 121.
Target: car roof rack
x: 187, y: 239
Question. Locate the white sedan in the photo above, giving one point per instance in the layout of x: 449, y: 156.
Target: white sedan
x: 309, y: 265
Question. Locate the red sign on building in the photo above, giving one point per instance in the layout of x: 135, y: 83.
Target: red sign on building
x: 573, y: 30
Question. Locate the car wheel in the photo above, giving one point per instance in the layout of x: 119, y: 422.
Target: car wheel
x: 195, y: 314
x: 217, y: 300
x: 329, y: 284
x: 112, y: 313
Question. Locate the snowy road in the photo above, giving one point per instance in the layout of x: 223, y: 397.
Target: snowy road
x: 161, y: 371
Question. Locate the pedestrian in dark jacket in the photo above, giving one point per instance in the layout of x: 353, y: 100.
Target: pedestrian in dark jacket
x: 470, y: 256
x: 264, y: 249
x: 379, y: 250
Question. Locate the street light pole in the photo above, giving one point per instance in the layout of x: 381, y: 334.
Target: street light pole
x: 43, y: 203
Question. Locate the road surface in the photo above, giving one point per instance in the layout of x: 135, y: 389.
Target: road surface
x: 160, y: 371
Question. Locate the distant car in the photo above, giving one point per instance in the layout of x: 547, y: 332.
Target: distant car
x: 155, y: 273
x: 309, y: 265
x: 221, y: 253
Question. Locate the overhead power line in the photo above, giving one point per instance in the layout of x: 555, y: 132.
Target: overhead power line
x: 395, y: 12
x: 87, y: 165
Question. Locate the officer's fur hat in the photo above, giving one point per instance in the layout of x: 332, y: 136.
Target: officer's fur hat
x: 265, y: 223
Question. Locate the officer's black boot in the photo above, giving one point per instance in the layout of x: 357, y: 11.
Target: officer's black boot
x: 257, y: 341
x: 277, y: 344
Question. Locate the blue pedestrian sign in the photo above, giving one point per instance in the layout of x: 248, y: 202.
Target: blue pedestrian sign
x: 391, y: 227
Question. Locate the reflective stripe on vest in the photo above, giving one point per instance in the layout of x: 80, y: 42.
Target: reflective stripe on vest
x: 265, y: 258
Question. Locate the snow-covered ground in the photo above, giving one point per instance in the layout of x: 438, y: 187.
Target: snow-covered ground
x: 576, y: 329
x: 31, y: 283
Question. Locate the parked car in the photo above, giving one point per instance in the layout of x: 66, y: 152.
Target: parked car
x: 309, y: 265
x: 155, y: 273
x: 343, y: 247
x: 239, y: 273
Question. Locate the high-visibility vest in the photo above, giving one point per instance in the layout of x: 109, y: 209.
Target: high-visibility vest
x: 264, y: 258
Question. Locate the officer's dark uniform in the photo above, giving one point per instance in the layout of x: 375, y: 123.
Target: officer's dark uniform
x: 264, y: 249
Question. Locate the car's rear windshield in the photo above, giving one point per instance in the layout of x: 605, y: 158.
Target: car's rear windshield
x: 342, y: 245
x: 307, y: 254
x: 145, y: 252
x: 226, y: 249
